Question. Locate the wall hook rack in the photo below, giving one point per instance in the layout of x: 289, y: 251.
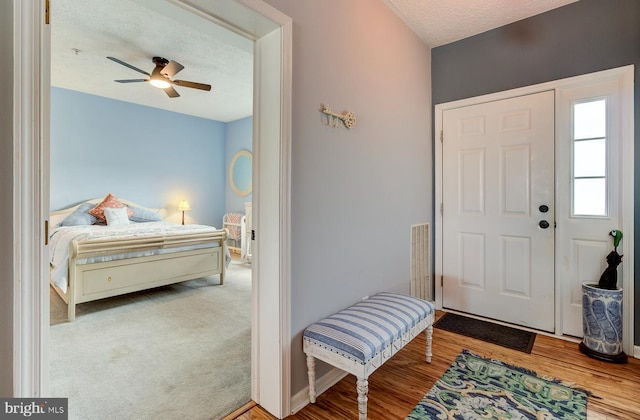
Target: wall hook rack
x: 348, y: 118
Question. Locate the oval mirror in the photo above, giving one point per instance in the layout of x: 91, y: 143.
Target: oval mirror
x: 240, y: 173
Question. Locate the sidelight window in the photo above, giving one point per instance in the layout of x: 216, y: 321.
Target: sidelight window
x: 590, y: 158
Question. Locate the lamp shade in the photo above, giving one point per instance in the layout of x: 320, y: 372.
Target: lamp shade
x: 184, y: 206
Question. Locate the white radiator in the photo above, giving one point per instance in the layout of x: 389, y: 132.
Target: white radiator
x: 421, y: 261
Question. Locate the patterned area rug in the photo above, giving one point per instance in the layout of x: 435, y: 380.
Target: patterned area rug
x: 475, y: 387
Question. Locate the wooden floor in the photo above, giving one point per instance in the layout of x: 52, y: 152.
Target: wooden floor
x: 399, y: 384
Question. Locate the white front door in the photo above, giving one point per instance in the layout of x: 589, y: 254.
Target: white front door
x: 491, y: 180
x: 498, y: 210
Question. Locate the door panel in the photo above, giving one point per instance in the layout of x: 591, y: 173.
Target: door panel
x: 472, y: 260
x: 516, y: 266
x: 498, y: 169
x: 515, y: 180
x: 583, y: 242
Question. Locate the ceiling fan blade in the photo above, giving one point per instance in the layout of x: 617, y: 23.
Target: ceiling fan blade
x: 131, y: 80
x: 171, y: 92
x: 193, y: 85
x: 128, y: 65
x: 171, y: 69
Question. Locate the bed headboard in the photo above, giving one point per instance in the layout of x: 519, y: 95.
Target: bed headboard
x: 58, y: 216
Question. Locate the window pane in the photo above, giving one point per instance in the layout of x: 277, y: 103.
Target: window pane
x: 589, y: 158
x: 589, y: 197
x: 589, y: 119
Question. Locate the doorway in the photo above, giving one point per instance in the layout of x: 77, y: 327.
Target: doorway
x: 272, y: 34
x: 500, y: 196
x: 147, y: 348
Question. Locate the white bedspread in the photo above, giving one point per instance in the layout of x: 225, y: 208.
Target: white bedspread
x: 61, y: 237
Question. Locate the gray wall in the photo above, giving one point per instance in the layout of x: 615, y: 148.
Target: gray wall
x: 355, y: 192
x: 6, y: 199
x: 580, y: 38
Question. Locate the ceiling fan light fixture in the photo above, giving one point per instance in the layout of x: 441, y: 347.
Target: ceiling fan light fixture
x: 161, y: 76
x: 159, y: 83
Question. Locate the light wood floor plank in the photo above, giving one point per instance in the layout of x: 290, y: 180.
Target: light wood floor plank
x: 399, y: 384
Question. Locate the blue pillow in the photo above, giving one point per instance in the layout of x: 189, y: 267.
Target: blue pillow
x: 81, y: 216
x: 141, y: 215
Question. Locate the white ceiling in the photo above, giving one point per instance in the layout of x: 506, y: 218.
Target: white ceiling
x: 134, y: 31
x: 439, y: 22
x: 85, y: 32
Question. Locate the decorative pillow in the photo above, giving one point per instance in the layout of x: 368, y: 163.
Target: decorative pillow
x: 141, y: 215
x: 80, y: 216
x: 110, y: 201
x: 116, y: 216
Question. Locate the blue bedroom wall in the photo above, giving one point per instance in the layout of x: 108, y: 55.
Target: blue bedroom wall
x: 149, y: 156
x: 239, y: 137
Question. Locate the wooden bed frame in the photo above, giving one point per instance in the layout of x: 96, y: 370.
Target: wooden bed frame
x: 92, y: 281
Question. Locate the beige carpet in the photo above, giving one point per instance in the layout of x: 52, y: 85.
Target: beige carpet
x: 175, y: 352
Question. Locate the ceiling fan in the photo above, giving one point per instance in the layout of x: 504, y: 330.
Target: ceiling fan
x: 161, y: 76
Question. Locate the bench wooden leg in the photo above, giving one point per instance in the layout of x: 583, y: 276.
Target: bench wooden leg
x: 311, y: 371
x: 429, y: 336
x: 363, y: 389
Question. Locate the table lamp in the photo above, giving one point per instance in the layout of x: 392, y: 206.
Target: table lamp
x: 183, y: 206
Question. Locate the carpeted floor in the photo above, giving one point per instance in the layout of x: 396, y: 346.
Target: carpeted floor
x: 180, y: 351
x: 501, y: 335
x: 475, y: 387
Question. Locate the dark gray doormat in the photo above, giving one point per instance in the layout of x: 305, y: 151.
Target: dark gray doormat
x: 501, y: 335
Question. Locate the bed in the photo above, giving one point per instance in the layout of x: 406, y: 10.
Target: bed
x: 90, y: 260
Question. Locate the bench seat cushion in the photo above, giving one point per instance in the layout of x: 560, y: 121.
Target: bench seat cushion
x: 365, y: 329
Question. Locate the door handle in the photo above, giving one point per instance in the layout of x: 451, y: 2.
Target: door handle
x: 543, y: 224
x: 543, y: 208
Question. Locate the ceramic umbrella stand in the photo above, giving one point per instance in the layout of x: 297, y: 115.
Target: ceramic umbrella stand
x: 602, y: 312
x: 602, y: 324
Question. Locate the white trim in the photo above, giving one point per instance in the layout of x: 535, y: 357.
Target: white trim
x: 272, y: 377
x: 628, y: 199
x: 326, y: 381
x: 625, y: 76
x: 636, y: 352
x: 265, y: 262
x: 31, y: 298
x: 285, y: 209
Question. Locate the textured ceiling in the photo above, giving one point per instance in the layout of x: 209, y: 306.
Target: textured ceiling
x: 85, y: 32
x: 134, y: 31
x: 439, y: 22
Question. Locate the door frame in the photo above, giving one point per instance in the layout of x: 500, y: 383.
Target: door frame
x: 625, y: 76
x: 272, y: 34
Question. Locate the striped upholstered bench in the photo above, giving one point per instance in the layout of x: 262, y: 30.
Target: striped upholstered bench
x: 361, y: 338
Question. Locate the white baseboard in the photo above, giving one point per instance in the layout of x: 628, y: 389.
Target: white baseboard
x: 329, y: 379
x: 636, y: 352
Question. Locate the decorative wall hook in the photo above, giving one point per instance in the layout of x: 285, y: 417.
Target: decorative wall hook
x: 348, y: 118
